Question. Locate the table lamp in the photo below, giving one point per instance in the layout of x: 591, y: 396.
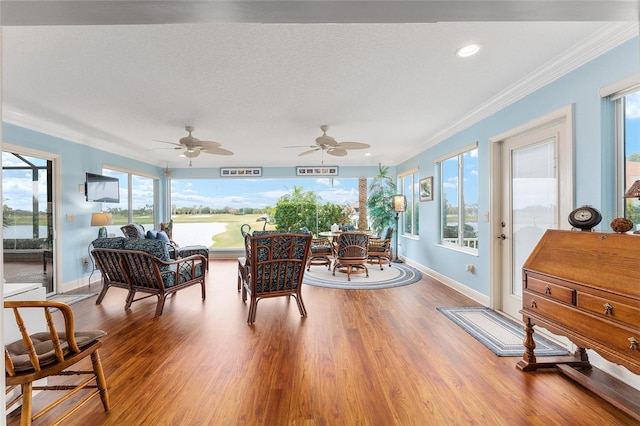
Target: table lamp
x: 399, y: 203
x: 102, y: 220
x: 634, y: 192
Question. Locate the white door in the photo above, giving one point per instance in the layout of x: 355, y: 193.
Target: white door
x: 533, y: 174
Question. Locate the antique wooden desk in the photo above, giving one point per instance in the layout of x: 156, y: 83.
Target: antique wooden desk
x: 586, y: 286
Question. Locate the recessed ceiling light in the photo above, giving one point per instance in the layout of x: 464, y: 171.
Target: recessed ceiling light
x: 367, y: 154
x: 468, y: 50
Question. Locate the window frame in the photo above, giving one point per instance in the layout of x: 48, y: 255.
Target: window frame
x: 410, y: 221
x: 459, y: 156
x: 620, y: 131
x: 129, y: 187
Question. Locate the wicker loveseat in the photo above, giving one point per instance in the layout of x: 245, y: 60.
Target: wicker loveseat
x: 144, y: 266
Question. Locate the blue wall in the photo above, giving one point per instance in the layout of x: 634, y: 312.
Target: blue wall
x: 593, y: 151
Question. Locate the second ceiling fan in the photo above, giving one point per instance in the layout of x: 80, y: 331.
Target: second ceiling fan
x: 330, y: 145
x: 193, y: 146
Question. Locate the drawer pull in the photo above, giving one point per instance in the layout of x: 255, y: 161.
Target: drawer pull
x: 547, y: 290
x: 534, y: 304
x: 607, y: 308
x: 634, y: 343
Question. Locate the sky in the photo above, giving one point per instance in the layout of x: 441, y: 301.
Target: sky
x: 258, y: 193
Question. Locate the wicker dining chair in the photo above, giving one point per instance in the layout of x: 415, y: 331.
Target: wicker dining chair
x: 321, y: 253
x: 351, y: 254
x: 379, y: 249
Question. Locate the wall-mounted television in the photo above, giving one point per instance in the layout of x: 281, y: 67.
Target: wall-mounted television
x: 102, y: 189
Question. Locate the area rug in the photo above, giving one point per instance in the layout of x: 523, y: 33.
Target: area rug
x: 70, y: 299
x: 501, y: 335
x: 396, y: 275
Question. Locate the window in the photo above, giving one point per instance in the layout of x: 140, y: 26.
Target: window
x: 628, y: 123
x: 459, y: 199
x: 212, y: 212
x: 409, y: 188
x: 137, y: 200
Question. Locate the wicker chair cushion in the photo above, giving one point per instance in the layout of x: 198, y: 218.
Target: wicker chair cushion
x: 187, y: 251
x: 156, y: 248
x: 109, y: 243
x: 321, y: 246
x: 44, y: 348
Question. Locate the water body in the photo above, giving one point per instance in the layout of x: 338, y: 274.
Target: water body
x: 187, y: 234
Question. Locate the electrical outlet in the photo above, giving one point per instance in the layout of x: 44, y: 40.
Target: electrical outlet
x: 85, y: 261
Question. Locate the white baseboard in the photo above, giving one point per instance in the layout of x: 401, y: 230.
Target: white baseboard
x: 455, y: 285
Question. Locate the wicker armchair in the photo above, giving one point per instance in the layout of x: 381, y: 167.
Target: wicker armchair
x: 321, y: 253
x: 351, y: 254
x: 379, y: 249
x: 275, y: 267
x: 44, y: 354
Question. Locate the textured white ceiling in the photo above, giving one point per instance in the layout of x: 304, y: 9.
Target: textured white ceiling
x: 257, y: 88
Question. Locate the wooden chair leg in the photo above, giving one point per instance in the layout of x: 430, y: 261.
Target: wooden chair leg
x: 103, y: 293
x: 100, y: 380
x: 253, y: 306
x: 301, y: 307
x: 25, y: 416
x: 160, y: 305
x: 204, y: 291
x: 130, y: 297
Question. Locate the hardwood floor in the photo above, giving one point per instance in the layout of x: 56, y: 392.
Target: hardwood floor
x: 370, y: 357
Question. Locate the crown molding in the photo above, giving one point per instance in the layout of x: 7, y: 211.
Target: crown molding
x: 609, y: 37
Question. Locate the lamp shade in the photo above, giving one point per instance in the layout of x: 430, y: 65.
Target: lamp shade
x: 101, y: 219
x: 633, y: 191
x: 399, y: 203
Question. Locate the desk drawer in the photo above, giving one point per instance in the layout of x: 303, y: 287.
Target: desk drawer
x: 551, y: 290
x: 608, y: 308
x: 537, y: 303
x: 604, y: 333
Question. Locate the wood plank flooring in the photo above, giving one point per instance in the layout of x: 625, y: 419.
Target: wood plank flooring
x: 361, y: 357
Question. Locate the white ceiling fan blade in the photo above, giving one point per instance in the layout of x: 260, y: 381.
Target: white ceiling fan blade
x: 215, y: 150
x: 207, y: 144
x: 308, y: 152
x: 300, y: 146
x: 338, y: 152
x: 177, y: 145
x: 353, y: 145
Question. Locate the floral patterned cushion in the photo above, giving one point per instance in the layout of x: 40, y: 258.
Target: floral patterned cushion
x: 155, y: 248
x: 273, y: 277
x: 109, y: 243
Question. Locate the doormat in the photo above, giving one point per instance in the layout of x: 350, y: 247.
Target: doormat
x: 499, y: 334
x: 397, y: 275
x: 70, y: 299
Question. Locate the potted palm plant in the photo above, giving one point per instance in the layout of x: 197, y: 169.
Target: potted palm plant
x: 380, y: 206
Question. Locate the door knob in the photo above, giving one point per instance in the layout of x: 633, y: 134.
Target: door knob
x: 502, y: 237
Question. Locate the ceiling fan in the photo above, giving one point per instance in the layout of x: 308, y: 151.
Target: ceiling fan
x: 330, y: 145
x: 193, y: 146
